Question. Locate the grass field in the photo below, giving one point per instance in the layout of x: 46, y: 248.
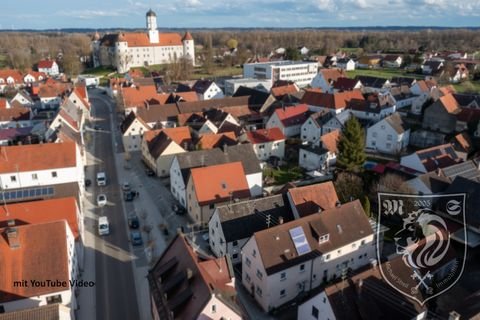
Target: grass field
x: 468, y: 87
x: 99, y: 71
x: 383, y: 73
x: 200, y: 73
x: 3, y: 61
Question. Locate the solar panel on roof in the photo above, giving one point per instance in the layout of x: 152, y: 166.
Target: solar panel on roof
x: 300, y: 240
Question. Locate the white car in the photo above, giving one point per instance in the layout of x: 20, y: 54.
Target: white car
x: 101, y: 200
x: 126, y: 186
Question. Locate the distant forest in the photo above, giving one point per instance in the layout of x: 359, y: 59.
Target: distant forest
x: 22, y: 50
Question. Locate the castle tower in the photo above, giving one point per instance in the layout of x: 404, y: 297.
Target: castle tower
x: 122, y: 59
x: 188, y: 47
x: 152, y: 27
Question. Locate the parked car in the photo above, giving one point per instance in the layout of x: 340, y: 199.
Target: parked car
x: 126, y: 186
x: 129, y: 195
x: 178, y: 209
x: 88, y: 183
x: 133, y: 221
x: 149, y: 172
x: 101, y: 200
x: 136, y: 238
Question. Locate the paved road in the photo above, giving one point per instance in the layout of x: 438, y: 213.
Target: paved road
x: 115, y: 285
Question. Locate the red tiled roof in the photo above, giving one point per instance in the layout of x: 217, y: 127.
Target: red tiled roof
x: 45, y: 64
x: 345, y: 84
x: 37, y: 157
x: 14, y: 114
x: 36, y: 212
x: 450, y: 103
x: 187, y: 36
x: 136, y: 96
x: 65, y: 116
x: 180, y: 135
x: 219, y: 183
x: 330, y: 140
x: 291, y: 116
x: 135, y: 39
x: 210, y: 141
x: 265, y: 135
x: 15, y: 74
x: 3, y: 103
x: 42, y: 255
x: 337, y: 100
x: 332, y: 74
x: 188, y: 96
x: 463, y: 141
x: 309, y: 199
x: 284, y: 90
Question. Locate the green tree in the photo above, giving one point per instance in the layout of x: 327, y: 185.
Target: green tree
x: 366, y: 206
x: 351, y: 147
x: 292, y: 54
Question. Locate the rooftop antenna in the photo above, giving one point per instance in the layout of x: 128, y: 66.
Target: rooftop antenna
x: 269, y: 220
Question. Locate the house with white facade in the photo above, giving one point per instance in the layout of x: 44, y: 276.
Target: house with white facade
x: 187, y: 285
x: 207, y: 89
x: 49, y: 67
x: 183, y: 163
x: 23, y: 98
x: 346, y: 64
x: 233, y: 224
x: 138, y: 49
x: 321, y: 156
x: 374, y: 108
x: 159, y: 147
x: 11, y: 78
x: 231, y: 85
x: 267, y: 143
x: 392, y: 61
x: 51, y: 246
x: 389, y: 135
x: 320, y: 123
x: 132, y: 129
x: 373, y: 84
x: 287, y: 260
x: 325, y: 78
x: 79, y: 96
x: 300, y: 72
x: 68, y: 116
x: 33, y: 76
x: 288, y: 119
x: 312, y: 199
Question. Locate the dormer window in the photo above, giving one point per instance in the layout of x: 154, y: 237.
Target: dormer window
x: 324, y: 238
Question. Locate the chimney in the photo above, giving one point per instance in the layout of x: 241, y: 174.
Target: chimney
x: 280, y: 220
x: 12, y: 238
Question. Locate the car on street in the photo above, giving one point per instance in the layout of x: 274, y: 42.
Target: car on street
x: 133, y: 221
x: 136, y: 237
x: 129, y: 195
x: 101, y: 200
x: 103, y: 226
x: 149, y: 172
x: 88, y: 183
x: 126, y: 186
x: 178, y: 209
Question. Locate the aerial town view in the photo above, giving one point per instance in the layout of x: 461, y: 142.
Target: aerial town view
x: 313, y: 160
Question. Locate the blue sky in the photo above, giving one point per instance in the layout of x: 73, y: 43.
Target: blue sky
x: 52, y: 14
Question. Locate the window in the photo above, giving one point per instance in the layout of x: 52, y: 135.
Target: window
x: 374, y: 134
x: 54, y: 299
x: 374, y: 143
x: 354, y: 245
x: 54, y: 174
x: 211, y: 206
x: 259, y: 274
x: 235, y: 256
x: 388, y: 145
x: 254, y: 253
x: 214, y: 308
x: 235, y: 243
x: 283, y: 276
x: 323, y: 238
x: 259, y: 292
x: 383, y: 127
x: 248, y: 262
x: 389, y: 137
x: 13, y: 179
x: 302, y: 268
x: 34, y: 176
x: 327, y: 257
x: 247, y: 278
x: 282, y: 293
x: 314, y: 312
x: 362, y: 243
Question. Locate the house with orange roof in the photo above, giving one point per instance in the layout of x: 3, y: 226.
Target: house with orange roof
x: 279, y: 91
x: 134, y: 97
x: 159, y: 147
x: 390, y: 135
x: 322, y: 155
x: 326, y: 77
x: 132, y: 129
x: 289, y: 119
x: 320, y: 123
x: 312, y: 199
x: 10, y: 77
x: 462, y: 144
x: 15, y: 117
x: 37, y: 261
x: 333, y: 102
x: 207, y: 89
x: 155, y: 47
x: 33, y: 76
x: 212, y: 140
x: 49, y: 67
x: 285, y: 260
x: 267, y: 143
x: 4, y: 104
x: 52, y: 93
x: 187, y: 285
x: 22, y: 98
x: 37, y: 168
x: 442, y: 114
x: 212, y: 186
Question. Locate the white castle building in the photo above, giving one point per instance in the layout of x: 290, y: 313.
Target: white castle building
x: 138, y: 49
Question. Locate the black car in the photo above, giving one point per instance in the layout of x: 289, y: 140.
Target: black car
x: 149, y: 172
x: 136, y: 237
x: 133, y: 221
x: 88, y: 183
x: 178, y: 209
x: 129, y: 195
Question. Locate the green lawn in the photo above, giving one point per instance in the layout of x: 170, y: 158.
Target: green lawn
x: 468, y: 87
x: 382, y: 73
x: 99, y: 71
x: 3, y: 61
x: 284, y: 174
x: 218, y: 71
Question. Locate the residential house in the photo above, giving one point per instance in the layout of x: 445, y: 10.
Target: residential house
x: 79, y: 96
x: 133, y: 128
x: 288, y: 119
x: 425, y: 139
x: 280, y: 90
x: 442, y: 114
x: 209, y: 187
x: 335, y: 103
x: 389, y: 135
x: 428, y: 183
x: 22, y: 98
x: 369, y: 61
x: 212, y: 140
x: 365, y: 295
x: 11, y: 78
x: 403, y: 81
x: 326, y: 77
x: 210, y: 121
x: 458, y: 73
x: 159, y: 147
x: 207, y: 89
x: 231, y: 86
x: 303, y: 50
x: 320, y: 123
x: 4, y: 104
x: 468, y: 169
x: 11, y: 136
x: 423, y: 90
x: 320, y: 156
x: 134, y: 97
x: 294, y: 258
x: 431, y: 159
x: 267, y: 143
x: 312, y: 199
x: 374, y: 108
x: 392, y: 61
x: 51, y: 93
x: 15, y: 117
x: 233, y: 224
x: 158, y: 116
x: 184, y: 162
x: 432, y: 67
x: 38, y: 169
x: 463, y: 146
x: 49, y: 311
x: 346, y: 84
x: 185, y: 284
x: 346, y: 64
x: 51, y: 247
x: 34, y: 76
x: 49, y: 67
x: 373, y: 84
